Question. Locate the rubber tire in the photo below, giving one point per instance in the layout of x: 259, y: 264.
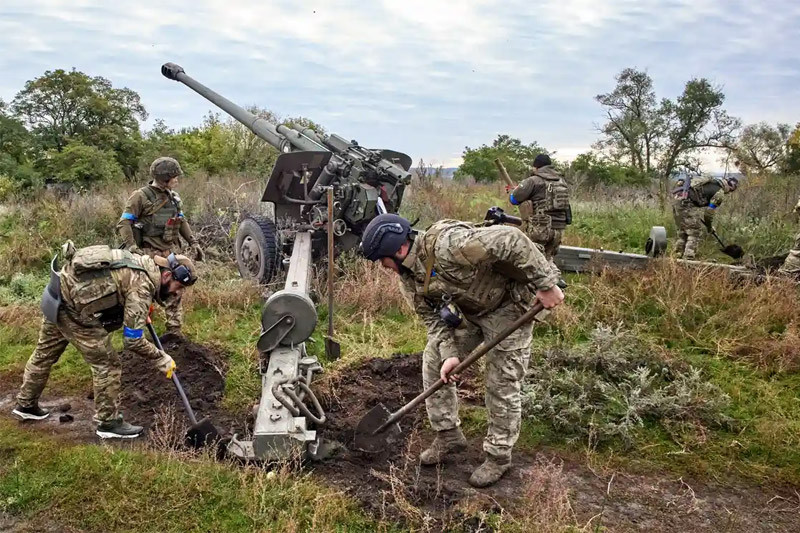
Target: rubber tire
x: 263, y: 232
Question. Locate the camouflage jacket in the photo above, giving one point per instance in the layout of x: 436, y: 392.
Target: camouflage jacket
x: 155, y: 214
x: 124, y: 291
x: 548, y: 193
x: 706, y: 191
x: 478, y: 268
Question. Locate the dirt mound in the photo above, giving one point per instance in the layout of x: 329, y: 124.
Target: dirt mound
x: 147, y: 395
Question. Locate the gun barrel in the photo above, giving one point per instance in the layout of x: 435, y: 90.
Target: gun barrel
x: 283, y: 138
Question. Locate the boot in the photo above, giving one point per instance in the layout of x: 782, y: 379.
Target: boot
x: 490, y: 471
x: 31, y: 413
x: 118, y: 429
x: 447, y: 441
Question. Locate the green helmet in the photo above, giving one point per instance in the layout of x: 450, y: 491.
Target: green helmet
x: 165, y: 168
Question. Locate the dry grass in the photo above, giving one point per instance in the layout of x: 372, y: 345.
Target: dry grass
x: 705, y: 308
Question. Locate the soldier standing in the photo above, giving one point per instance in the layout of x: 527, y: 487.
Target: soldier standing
x: 99, y: 290
x: 153, y: 223
x: 468, y: 284
x: 548, y: 196
x: 695, y: 202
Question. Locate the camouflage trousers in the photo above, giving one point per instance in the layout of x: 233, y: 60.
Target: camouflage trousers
x: 173, y: 310
x: 547, y: 237
x: 689, y: 221
x: 791, y: 265
x: 506, y: 365
x: 94, y: 343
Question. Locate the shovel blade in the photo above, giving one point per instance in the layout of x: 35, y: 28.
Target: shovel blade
x: 733, y: 250
x: 333, y: 350
x: 366, y: 439
x: 202, y: 434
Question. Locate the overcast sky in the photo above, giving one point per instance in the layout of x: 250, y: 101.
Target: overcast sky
x: 427, y: 77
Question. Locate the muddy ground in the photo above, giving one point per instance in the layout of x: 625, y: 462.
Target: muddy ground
x: 392, y: 484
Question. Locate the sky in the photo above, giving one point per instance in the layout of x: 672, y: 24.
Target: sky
x: 426, y: 77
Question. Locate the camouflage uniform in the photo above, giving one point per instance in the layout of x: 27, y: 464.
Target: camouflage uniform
x: 491, y: 273
x: 159, y: 212
x: 691, y: 209
x: 548, y: 196
x: 118, y: 296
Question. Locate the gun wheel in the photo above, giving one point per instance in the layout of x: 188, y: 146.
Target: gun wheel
x: 257, y: 249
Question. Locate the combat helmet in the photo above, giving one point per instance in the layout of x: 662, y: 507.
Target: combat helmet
x: 164, y: 169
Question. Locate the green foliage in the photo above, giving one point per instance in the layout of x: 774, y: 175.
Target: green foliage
x: 591, y: 169
x: 762, y: 147
x: 63, y: 107
x: 80, y: 164
x: 517, y: 158
x: 612, y: 385
x: 791, y: 164
x: 656, y: 137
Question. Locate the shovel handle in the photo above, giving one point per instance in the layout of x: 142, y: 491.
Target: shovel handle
x: 476, y: 354
x: 714, y: 233
x: 175, y: 379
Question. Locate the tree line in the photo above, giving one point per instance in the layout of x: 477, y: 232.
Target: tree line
x: 644, y: 138
x: 69, y: 127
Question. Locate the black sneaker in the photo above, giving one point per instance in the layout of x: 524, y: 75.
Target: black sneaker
x: 118, y: 429
x: 31, y: 413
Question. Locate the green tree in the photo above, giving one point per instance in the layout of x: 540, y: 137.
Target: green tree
x: 762, y: 147
x: 590, y: 169
x: 658, y: 137
x: 82, y: 165
x: 791, y: 164
x: 16, y: 152
x: 517, y: 158
x: 62, y: 107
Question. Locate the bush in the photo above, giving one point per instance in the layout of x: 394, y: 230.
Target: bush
x: 610, y: 386
x: 80, y: 164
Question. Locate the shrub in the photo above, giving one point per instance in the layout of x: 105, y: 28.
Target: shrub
x: 82, y: 165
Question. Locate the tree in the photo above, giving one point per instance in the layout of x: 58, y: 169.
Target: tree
x: 16, y: 152
x: 62, y: 107
x: 517, y: 158
x: 590, y: 169
x: 82, y: 165
x: 791, y: 163
x: 657, y: 137
x: 762, y: 147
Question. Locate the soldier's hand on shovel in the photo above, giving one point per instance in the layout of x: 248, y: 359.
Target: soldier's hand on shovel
x: 551, y: 297
x: 165, y: 364
x: 449, y: 364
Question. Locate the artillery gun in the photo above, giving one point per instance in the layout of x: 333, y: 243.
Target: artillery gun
x: 360, y: 183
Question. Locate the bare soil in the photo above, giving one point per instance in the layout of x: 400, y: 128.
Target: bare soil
x: 393, y: 484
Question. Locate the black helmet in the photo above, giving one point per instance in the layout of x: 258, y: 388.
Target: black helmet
x: 542, y: 160
x: 384, y: 235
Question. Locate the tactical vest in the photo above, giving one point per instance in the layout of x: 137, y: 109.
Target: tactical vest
x: 552, y: 210
x: 88, y: 287
x: 703, y: 191
x: 160, y: 218
x: 483, y: 294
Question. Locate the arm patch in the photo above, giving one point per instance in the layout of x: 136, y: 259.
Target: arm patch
x: 128, y: 216
x: 132, y: 333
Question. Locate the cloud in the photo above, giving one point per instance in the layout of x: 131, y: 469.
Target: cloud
x: 424, y: 76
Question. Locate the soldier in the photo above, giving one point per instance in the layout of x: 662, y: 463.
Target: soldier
x: 548, y: 196
x: 695, y: 202
x: 153, y: 223
x: 791, y: 265
x: 484, y: 278
x: 99, y: 290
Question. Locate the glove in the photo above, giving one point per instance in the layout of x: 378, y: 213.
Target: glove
x: 165, y: 364
x: 199, y: 254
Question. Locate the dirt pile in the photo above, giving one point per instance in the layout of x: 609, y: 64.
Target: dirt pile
x: 145, y: 391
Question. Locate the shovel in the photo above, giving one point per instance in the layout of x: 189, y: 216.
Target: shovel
x: 732, y: 250
x: 200, y: 433
x: 332, y: 348
x: 380, y: 426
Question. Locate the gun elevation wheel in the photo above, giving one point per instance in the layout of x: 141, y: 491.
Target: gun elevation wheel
x: 257, y: 249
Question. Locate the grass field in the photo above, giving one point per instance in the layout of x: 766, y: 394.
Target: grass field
x: 741, y: 337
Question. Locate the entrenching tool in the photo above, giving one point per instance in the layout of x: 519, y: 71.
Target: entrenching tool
x: 732, y: 250
x: 200, y: 433
x: 379, y: 426
x: 332, y: 348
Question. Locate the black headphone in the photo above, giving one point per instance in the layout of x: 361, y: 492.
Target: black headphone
x: 180, y: 272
